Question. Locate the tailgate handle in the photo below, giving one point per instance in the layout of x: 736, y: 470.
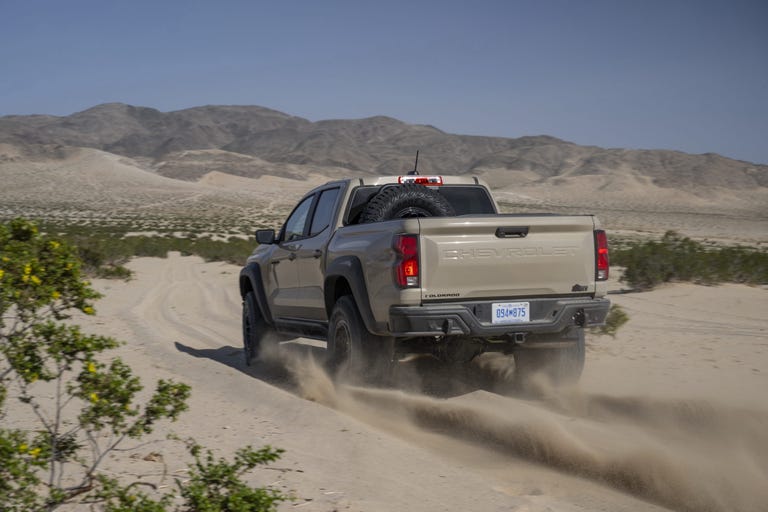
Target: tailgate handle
x: 512, y: 232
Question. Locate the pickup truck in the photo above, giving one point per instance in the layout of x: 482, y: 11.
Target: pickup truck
x: 384, y: 267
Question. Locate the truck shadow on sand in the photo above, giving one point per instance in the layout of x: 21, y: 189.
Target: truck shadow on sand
x: 273, y: 371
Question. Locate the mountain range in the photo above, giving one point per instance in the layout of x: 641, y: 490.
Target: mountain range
x: 247, y: 165
x: 244, y: 140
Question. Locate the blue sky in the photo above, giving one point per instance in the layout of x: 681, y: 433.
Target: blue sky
x: 679, y: 74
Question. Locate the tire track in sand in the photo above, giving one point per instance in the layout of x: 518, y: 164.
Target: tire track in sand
x: 184, y: 305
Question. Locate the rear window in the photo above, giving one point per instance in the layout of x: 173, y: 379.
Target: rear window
x: 465, y: 199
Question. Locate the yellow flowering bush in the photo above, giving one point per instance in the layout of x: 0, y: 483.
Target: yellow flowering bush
x: 40, y: 286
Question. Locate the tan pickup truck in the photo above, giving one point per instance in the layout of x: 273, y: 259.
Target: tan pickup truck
x: 384, y: 267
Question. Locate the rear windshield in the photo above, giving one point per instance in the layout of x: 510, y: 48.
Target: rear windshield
x: 468, y: 200
x: 465, y: 199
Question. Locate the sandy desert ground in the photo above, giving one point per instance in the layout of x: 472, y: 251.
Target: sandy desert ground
x: 670, y: 415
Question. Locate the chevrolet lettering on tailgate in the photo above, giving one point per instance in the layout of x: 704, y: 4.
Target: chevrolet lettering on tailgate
x: 510, y: 252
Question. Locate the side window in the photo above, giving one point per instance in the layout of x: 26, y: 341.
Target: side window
x: 323, y: 211
x: 294, y: 226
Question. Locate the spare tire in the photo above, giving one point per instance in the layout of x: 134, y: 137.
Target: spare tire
x: 404, y: 201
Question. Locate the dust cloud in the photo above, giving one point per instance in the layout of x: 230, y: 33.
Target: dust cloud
x: 684, y: 454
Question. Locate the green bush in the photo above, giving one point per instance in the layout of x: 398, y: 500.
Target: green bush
x: 103, y: 253
x: 615, y: 319
x: 678, y: 258
x: 40, y: 355
x: 216, y: 484
x: 105, y: 248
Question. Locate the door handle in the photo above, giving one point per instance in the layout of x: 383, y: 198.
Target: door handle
x: 512, y: 232
x: 317, y: 253
x: 292, y: 256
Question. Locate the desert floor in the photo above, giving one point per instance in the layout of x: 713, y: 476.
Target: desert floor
x: 672, y: 414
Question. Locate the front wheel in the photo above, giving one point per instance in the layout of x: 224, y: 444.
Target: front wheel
x: 562, y: 365
x: 355, y: 353
x: 257, y: 334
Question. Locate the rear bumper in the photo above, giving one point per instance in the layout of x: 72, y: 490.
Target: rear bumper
x: 474, y: 318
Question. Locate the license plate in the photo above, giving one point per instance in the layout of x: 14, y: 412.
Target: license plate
x: 510, y: 312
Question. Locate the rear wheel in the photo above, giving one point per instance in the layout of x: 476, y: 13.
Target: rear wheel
x: 257, y: 334
x: 562, y: 365
x: 355, y: 353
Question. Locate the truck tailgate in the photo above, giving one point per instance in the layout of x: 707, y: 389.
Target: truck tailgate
x: 507, y: 256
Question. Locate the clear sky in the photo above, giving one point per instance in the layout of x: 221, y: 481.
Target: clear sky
x: 690, y: 75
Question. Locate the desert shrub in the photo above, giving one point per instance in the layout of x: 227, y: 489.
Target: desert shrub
x: 82, y: 403
x: 113, y: 272
x: 104, y: 254
x: 678, y: 258
x: 212, y: 485
x: 216, y: 484
x: 613, y: 322
x: 234, y: 250
x: 101, y: 254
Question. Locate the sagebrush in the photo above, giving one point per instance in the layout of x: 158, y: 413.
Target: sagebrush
x: 679, y: 258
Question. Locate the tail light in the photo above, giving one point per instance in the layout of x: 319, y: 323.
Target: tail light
x: 601, y: 255
x: 407, y: 267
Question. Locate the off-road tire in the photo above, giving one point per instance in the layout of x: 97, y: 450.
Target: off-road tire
x: 256, y: 332
x: 562, y: 365
x: 403, y: 201
x: 354, y: 354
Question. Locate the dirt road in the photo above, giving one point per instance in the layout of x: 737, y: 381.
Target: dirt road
x: 671, y: 415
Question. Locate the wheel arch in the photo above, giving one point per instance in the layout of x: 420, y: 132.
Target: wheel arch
x: 345, y: 277
x: 251, y: 281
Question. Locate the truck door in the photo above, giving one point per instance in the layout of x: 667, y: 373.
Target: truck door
x: 283, y: 288
x: 311, y: 256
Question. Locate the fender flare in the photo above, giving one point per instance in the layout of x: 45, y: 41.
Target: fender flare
x: 250, y: 277
x: 350, y: 269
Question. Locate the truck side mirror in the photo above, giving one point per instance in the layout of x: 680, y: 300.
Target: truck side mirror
x: 265, y: 236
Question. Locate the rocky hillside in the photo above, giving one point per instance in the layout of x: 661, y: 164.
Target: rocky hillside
x: 253, y: 141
